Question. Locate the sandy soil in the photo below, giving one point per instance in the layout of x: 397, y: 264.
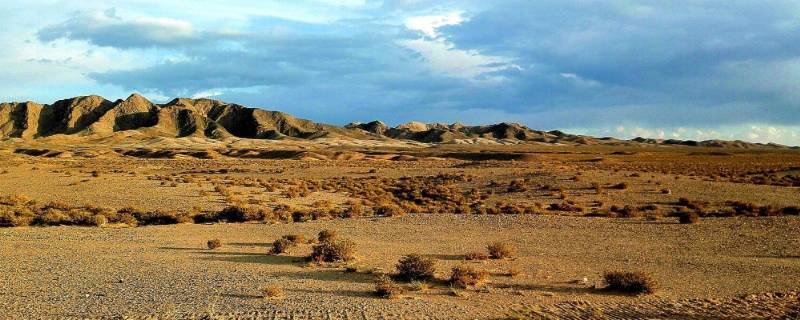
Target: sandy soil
x: 166, y: 270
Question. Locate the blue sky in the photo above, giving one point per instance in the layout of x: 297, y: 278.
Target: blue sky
x: 661, y: 69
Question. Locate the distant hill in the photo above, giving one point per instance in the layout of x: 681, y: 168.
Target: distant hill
x: 93, y: 116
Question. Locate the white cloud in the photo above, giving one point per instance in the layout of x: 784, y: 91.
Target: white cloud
x: 747, y: 132
x: 443, y: 57
x: 106, y: 29
x: 578, y: 80
x: 207, y: 94
x: 428, y: 25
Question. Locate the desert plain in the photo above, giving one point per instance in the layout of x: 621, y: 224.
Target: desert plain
x: 502, y: 222
x: 733, y: 263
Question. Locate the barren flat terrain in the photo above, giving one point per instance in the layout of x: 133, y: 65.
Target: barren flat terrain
x: 166, y: 270
x: 571, y: 213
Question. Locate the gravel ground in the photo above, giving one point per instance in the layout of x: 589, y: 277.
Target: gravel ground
x: 709, y: 269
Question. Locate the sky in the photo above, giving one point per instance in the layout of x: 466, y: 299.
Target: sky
x: 727, y: 69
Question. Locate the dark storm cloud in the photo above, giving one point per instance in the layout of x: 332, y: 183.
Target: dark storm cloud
x: 578, y: 63
x: 677, y: 54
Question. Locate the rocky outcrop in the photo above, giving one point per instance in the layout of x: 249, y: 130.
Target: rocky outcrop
x: 93, y: 115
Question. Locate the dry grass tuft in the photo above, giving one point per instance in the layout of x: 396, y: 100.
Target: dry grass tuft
x: 272, y: 292
x: 501, y: 250
x: 420, y: 286
x: 476, y: 255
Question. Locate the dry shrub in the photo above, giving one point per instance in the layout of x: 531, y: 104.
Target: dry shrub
x: 342, y: 250
x: 99, y: 220
x: 501, y: 250
x: 649, y: 207
x: 464, y: 276
x: 52, y: 217
x: 302, y: 216
x: 619, y: 186
x: 415, y: 267
x: 517, y: 185
x: 629, y: 282
x: 214, y: 243
x: 240, y: 213
x: 15, y: 218
x: 287, y: 242
x: 63, y: 206
x: 282, y: 245
x: 565, y: 206
x: 354, y: 210
x: 476, y: 255
x: 126, y: 218
x: 326, y: 235
x: 350, y: 269
x: 514, y: 271
x: 626, y: 211
x: 751, y: 209
x: 322, y: 204
x: 159, y: 217
x: 272, y: 292
x: 295, y: 238
x: 458, y: 292
x: 688, y: 217
x: 792, y: 211
x: 389, y: 210
x: 694, y: 205
x: 386, y: 288
x: 283, y: 212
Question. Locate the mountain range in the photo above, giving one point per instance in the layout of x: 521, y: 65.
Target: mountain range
x: 94, y: 116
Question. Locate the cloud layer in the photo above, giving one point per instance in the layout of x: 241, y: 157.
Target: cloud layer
x: 696, y: 69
